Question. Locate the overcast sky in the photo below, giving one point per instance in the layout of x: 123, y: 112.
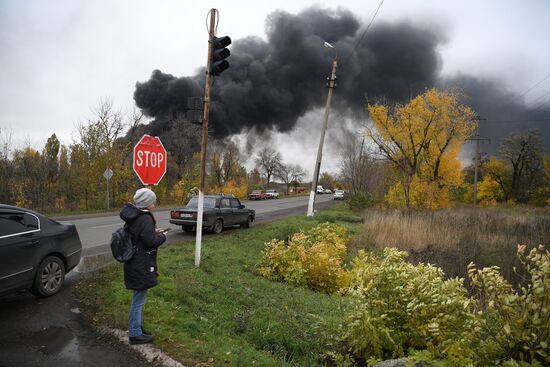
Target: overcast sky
x: 59, y: 58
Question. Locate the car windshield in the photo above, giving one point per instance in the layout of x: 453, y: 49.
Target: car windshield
x: 209, y: 203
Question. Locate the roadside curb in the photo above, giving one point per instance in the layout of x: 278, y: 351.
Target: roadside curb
x: 150, y: 353
x: 93, y: 263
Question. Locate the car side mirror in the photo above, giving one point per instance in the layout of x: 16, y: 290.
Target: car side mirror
x: 242, y: 206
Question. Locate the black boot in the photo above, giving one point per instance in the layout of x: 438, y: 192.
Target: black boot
x: 142, y: 339
x: 145, y: 332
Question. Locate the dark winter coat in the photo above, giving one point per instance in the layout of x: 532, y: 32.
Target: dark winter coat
x: 141, y: 271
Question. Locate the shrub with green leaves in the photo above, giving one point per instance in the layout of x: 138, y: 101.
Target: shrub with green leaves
x: 360, y: 200
x: 313, y: 258
x: 514, y: 325
x: 399, y: 307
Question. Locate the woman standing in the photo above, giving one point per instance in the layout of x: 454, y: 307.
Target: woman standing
x: 140, y: 273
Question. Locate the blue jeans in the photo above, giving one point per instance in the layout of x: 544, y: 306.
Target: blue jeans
x: 135, y: 319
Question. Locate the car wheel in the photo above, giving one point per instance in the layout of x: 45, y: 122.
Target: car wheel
x: 248, y: 222
x: 50, y: 276
x: 217, y: 227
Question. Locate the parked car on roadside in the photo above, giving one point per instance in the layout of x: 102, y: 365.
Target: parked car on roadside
x: 219, y: 211
x: 339, y: 194
x: 257, y: 195
x: 328, y: 191
x: 272, y: 194
x: 36, y: 252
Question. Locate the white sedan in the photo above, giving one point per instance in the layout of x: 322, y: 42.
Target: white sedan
x: 338, y: 194
x: 272, y: 194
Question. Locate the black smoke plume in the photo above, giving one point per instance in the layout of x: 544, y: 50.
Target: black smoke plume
x: 273, y: 82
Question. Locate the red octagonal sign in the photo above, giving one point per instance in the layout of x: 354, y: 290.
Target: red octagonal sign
x: 150, y: 160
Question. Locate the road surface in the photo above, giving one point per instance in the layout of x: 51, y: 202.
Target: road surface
x: 95, y: 232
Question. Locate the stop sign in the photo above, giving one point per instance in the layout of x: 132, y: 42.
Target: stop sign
x: 150, y: 160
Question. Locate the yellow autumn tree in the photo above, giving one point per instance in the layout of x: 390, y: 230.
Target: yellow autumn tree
x: 422, y: 140
x: 498, y: 173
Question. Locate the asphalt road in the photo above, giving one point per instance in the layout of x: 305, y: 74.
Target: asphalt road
x: 51, y: 332
x: 95, y: 232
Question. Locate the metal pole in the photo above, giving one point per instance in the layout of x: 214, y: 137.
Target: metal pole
x: 475, y: 171
x: 321, y: 140
x: 206, y: 112
x: 108, y: 194
x: 477, y: 139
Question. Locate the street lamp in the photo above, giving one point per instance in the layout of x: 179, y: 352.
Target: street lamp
x: 331, y: 83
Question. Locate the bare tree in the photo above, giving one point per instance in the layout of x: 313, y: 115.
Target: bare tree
x: 231, y: 162
x: 524, y: 152
x: 109, y: 121
x: 290, y: 174
x: 268, y: 161
x: 360, y: 171
x: 6, y: 167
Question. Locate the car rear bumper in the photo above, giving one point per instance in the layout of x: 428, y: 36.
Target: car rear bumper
x: 73, y: 258
x: 190, y: 222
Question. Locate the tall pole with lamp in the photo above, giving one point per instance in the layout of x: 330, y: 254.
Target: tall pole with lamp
x: 331, y: 83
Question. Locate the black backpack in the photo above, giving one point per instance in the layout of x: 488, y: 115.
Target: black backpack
x: 122, y: 246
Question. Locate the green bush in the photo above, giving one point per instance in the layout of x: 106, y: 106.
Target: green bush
x: 313, y: 258
x: 403, y: 310
x: 513, y: 325
x: 399, y: 307
x: 360, y: 200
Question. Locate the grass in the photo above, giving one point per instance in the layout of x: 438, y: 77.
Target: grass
x: 223, y: 313
x: 451, y: 238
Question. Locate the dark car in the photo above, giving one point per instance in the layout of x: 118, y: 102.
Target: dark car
x: 219, y: 211
x: 35, y: 252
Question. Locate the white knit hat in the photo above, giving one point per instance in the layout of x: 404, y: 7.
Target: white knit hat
x: 144, y: 197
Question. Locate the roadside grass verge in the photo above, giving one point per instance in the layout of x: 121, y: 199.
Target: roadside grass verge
x: 223, y: 313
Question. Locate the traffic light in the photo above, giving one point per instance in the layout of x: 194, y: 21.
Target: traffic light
x: 194, y: 111
x: 219, y: 54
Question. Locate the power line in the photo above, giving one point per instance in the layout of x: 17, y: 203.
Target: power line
x: 540, y: 105
x: 367, y: 29
x: 534, y: 86
x: 518, y: 121
x: 540, y: 97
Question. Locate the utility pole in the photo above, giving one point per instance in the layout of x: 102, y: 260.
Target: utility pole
x: 477, y: 138
x: 215, y: 65
x: 331, y: 84
x: 205, y: 115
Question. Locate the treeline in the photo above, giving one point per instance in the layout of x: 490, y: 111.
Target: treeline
x: 407, y: 156
x: 410, y: 158
x: 60, y: 178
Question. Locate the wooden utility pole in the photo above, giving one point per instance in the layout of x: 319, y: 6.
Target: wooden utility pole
x: 205, y: 115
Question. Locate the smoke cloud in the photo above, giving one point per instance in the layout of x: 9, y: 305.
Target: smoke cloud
x: 272, y: 83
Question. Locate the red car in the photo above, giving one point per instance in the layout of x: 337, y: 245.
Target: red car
x: 257, y: 195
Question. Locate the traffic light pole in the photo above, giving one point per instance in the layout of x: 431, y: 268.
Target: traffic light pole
x: 206, y: 112
x: 315, y: 179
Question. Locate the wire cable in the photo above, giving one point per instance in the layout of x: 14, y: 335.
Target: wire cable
x: 518, y: 121
x: 366, y: 30
x: 534, y: 86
